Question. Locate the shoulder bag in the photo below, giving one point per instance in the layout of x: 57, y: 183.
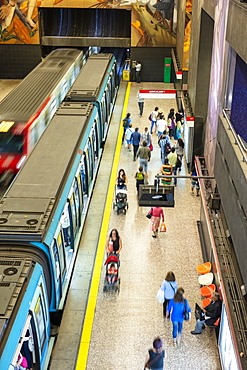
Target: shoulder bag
x: 149, y: 214
x: 148, y: 364
x: 160, y: 296
x: 186, y: 314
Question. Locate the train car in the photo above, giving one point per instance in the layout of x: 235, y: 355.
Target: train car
x: 105, y: 65
x: 41, y: 219
x: 27, y: 110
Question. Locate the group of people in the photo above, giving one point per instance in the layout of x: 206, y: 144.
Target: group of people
x: 174, y: 307
x: 173, y: 124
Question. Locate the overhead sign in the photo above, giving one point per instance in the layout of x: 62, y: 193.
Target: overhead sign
x: 157, y: 94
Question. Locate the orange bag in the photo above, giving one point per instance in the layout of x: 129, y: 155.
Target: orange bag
x: 162, y: 227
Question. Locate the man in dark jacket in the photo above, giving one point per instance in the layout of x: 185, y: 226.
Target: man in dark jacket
x: 212, y: 313
x: 135, y: 139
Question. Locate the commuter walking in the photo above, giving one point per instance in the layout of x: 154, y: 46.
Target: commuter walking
x: 194, y: 183
x: 176, y: 309
x: 161, y: 125
x: 140, y: 177
x: 172, y: 158
x: 165, y: 146
x: 146, y: 136
x: 166, y: 169
x: 153, y: 116
x: 140, y: 104
x: 135, y: 139
x: 179, y: 148
x: 138, y: 68
x: 171, y: 122
x: 144, y: 153
x: 113, y: 242
x: 157, y: 215
x: 126, y: 122
x: 169, y: 286
x: 156, y: 355
x: 128, y: 133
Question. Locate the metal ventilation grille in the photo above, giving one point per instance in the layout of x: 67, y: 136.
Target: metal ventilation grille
x: 10, y: 263
x: 4, y: 285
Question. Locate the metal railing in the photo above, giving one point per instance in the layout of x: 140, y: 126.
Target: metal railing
x: 238, y: 141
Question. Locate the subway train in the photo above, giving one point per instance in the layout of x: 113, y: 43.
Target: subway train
x: 42, y: 215
x: 27, y: 110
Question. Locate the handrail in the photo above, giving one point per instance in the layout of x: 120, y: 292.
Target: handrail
x: 237, y: 141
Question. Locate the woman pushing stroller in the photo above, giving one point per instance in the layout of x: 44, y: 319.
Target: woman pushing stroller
x: 121, y: 180
x: 113, y: 242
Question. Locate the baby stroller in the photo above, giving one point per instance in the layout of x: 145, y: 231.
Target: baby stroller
x: 112, y: 280
x: 120, y: 200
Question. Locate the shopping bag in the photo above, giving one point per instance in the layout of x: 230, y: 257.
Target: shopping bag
x: 160, y: 296
x: 162, y: 227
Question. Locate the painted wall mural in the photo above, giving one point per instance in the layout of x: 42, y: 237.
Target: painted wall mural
x: 151, y: 23
x: 187, y: 32
x: 19, y: 22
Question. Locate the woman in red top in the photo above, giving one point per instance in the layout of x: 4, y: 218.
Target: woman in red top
x: 157, y: 215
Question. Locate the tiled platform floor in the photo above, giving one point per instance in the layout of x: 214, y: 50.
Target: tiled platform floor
x: 126, y: 323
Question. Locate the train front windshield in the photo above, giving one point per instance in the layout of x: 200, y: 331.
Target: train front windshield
x: 11, y: 137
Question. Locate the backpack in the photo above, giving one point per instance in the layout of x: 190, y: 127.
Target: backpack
x: 167, y: 147
x: 125, y: 122
x: 139, y: 176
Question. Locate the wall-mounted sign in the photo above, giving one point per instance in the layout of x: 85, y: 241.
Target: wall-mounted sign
x: 157, y: 94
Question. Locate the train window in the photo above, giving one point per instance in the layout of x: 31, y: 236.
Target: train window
x: 90, y: 159
x: 83, y: 174
x: 53, y: 107
x: 77, y: 202
x: 73, y: 212
x: 56, y: 259
x: 61, y: 253
x: 10, y: 143
x: 108, y: 106
x: 40, y: 319
x: 95, y: 141
x: 65, y: 223
x: 80, y: 192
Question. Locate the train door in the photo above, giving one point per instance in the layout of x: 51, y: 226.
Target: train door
x: 103, y: 109
x: 90, y: 158
x: 84, y: 176
x: 34, y: 340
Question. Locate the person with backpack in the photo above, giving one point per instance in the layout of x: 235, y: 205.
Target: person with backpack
x: 126, y: 122
x: 146, y: 136
x: 165, y: 146
x: 128, y: 133
x: 140, y: 178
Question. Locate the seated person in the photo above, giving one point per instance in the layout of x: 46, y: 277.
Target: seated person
x: 111, y: 273
x: 212, y: 313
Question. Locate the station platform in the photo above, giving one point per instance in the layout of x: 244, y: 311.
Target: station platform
x: 114, y: 330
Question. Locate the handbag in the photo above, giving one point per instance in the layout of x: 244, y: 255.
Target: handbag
x: 186, y: 314
x: 151, y: 147
x: 162, y: 227
x: 178, y: 163
x: 149, y: 214
x: 160, y: 296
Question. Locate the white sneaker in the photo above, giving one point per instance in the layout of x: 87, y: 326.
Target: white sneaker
x: 174, y: 342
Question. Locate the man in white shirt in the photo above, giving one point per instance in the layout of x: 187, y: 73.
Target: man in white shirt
x: 138, y: 68
x: 161, y: 125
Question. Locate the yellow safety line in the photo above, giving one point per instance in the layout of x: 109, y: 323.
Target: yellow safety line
x: 92, y: 299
